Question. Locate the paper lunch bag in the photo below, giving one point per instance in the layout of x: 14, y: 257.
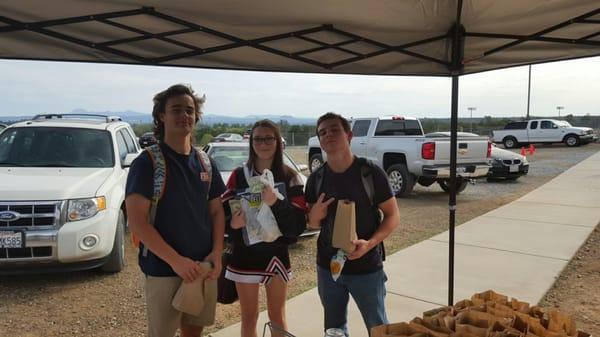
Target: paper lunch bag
x: 344, y: 226
x: 198, y: 296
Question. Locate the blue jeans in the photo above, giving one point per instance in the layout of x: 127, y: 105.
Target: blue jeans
x: 367, y: 290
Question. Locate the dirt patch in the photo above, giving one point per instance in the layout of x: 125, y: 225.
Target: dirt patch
x: 90, y: 303
x: 577, y: 290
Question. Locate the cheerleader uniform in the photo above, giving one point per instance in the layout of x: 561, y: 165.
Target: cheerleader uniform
x: 260, y: 262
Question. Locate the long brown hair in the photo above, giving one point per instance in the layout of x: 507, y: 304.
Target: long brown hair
x: 281, y: 172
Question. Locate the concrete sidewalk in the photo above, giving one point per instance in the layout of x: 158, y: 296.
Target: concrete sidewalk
x: 518, y: 250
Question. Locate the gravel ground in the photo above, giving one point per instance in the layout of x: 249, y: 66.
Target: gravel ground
x: 90, y: 303
x: 577, y: 290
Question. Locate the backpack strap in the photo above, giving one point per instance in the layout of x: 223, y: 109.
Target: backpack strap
x: 204, y: 160
x: 319, y: 177
x: 366, y: 177
x: 246, y: 171
x: 159, y: 181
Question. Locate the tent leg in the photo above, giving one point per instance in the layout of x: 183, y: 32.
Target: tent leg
x: 452, y: 201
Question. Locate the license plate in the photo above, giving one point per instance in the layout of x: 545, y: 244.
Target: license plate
x: 11, y: 239
x: 514, y: 168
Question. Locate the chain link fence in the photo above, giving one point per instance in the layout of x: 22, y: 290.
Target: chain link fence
x: 297, y: 138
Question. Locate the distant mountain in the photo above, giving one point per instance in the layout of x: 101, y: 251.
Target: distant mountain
x: 134, y: 117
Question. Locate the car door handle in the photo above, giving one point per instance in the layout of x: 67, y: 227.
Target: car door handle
x: 362, y: 143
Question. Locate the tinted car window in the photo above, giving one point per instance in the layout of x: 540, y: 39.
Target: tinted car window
x: 398, y: 127
x: 121, y: 146
x: 516, y: 126
x: 546, y: 125
x: 534, y: 125
x: 361, y: 128
x: 128, y: 141
x: 56, y: 147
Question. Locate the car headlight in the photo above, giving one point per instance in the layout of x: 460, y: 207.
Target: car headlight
x: 80, y: 209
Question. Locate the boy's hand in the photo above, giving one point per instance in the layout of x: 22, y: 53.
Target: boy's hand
x: 318, y: 210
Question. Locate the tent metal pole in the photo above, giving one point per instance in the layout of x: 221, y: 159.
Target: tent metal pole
x: 528, y: 92
x: 457, y: 33
x: 453, y: 181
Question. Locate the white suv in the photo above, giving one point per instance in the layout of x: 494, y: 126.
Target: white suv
x: 62, y: 190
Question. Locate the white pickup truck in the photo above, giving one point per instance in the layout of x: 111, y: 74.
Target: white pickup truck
x: 543, y: 131
x: 399, y: 147
x: 62, y: 191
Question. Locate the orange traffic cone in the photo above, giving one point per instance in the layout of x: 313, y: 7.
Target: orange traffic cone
x: 523, y: 151
x: 531, y: 149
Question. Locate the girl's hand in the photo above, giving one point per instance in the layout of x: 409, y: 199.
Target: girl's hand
x: 238, y: 220
x: 268, y: 196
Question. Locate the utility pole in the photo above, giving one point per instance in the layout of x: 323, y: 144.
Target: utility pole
x: 559, y: 108
x: 528, y: 92
x: 471, y: 110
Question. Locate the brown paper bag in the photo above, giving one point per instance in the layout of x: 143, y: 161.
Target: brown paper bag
x: 559, y: 322
x: 344, y: 226
x: 192, y: 297
x: 432, y: 327
x: 534, y: 325
x: 398, y: 329
x: 490, y: 295
x: 499, y: 310
x: 519, y: 306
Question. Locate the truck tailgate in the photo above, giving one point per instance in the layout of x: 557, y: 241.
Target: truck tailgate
x: 470, y: 150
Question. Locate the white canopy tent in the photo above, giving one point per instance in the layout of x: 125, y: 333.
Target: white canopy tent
x: 409, y: 37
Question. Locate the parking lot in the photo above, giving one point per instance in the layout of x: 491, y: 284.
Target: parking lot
x: 91, y: 303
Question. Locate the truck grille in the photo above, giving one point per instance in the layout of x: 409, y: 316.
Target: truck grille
x: 31, y: 214
x: 19, y: 253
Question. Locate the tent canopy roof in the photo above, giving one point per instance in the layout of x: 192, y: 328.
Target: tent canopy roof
x: 409, y: 37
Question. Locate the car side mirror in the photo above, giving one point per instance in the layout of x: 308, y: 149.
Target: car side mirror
x: 128, y: 159
x: 554, y: 126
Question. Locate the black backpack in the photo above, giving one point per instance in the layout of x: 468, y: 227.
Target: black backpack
x: 366, y: 177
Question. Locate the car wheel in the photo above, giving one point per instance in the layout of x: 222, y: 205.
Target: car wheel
x: 316, y: 160
x: 116, y: 260
x: 401, y: 181
x: 510, y: 142
x: 571, y: 140
x: 445, y: 185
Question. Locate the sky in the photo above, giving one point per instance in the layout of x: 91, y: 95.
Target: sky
x: 32, y: 87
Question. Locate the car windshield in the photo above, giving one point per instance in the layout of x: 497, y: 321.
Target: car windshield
x: 227, y: 158
x: 55, y: 147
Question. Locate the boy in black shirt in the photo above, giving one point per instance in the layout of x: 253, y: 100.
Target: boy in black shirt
x: 362, y: 275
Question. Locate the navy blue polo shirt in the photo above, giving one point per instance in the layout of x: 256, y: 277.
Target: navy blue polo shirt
x: 182, y: 215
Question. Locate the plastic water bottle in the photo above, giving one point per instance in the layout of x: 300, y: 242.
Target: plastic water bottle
x: 334, y: 332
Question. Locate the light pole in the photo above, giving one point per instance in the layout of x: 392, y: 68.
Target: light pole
x: 471, y: 108
x: 559, y: 108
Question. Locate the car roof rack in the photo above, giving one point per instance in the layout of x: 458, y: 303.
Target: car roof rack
x: 104, y: 118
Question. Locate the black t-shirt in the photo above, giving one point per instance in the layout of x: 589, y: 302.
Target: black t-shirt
x: 348, y: 185
x: 182, y: 215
